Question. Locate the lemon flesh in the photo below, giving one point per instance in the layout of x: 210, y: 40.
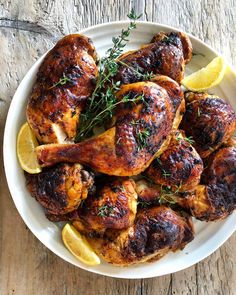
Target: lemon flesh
x: 26, y: 144
x: 79, y: 246
x: 207, y: 77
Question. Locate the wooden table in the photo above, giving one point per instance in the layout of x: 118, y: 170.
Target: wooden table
x: 27, y: 29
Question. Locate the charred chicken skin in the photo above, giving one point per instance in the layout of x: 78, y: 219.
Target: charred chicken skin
x: 176, y: 96
x: 148, y: 192
x: 113, y: 206
x: 179, y: 167
x: 141, y: 132
x: 155, y: 232
x: 60, y: 189
x: 167, y: 54
x: 216, y: 199
x: 210, y: 120
x: 65, y: 80
x: 142, y: 136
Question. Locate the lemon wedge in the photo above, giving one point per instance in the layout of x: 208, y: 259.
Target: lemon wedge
x: 79, y: 246
x: 26, y: 144
x: 207, y: 77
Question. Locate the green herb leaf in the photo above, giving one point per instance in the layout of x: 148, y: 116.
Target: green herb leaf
x: 165, y: 174
x: 62, y: 81
x: 105, y: 210
x: 190, y: 140
x: 101, y: 104
x: 142, y: 138
x: 143, y: 204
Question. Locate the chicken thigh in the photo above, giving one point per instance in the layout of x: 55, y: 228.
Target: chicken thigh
x: 216, y: 198
x: 155, y: 232
x: 210, y: 121
x: 167, y: 54
x: 66, y: 78
x: 113, y: 206
x: 60, y: 189
x: 179, y: 167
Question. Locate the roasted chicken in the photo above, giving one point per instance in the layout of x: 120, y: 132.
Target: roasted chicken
x: 60, y: 189
x: 66, y: 78
x: 155, y: 232
x: 176, y: 96
x: 113, y: 206
x: 148, y: 193
x: 142, y: 127
x: 216, y: 198
x: 129, y: 221
x: 210, y: 121
x: 179, y: 167
x: 167, y: 54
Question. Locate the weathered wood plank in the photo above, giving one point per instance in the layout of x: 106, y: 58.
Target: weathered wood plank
x: 27, y: 29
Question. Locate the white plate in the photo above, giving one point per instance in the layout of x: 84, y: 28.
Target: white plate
x: 209, y: 236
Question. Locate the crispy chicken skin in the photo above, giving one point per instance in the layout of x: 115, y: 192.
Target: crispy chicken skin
x: 216, y: 199
x: 148, y: 192
x: 155, y: 232
x: 53, y: 108
x: 179, y: 167
x: 176, y: 96
x: 140, y: 132
x: 210, y: 120
x: 167, y: 55
x: 60, y: 189
x: 113, y: 206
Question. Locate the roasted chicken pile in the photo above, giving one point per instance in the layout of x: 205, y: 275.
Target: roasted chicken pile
x: 164, y: 157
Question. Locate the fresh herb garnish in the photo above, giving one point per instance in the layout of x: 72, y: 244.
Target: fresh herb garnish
x: 142, y: 136
x: 167, y: 195
x: 138, y: 71
x: 62, y: 81
x: 105, y: 210
x: 190, y: 140
x: 165, y: 174
x: 158, y: 160
x: 101, y: 104
x: 143, y: 204
x: 102, y: 116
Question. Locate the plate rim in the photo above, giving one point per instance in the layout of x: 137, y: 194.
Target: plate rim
x: 10, y: 182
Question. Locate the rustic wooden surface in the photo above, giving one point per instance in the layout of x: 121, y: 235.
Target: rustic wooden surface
x: 27, y: 29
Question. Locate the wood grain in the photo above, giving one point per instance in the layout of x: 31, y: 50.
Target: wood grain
x: 27, y: 29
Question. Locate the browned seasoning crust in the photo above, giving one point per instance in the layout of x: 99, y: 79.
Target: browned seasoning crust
x: 140, y: 132
x: 210, y: 120
x: 179, y: 167
x: 60, y: 189
x: 167, y: 55
x: 113, y: 206
x: 127, y: 148
x: 176, y: 97
x: 156, y: 231
x: 53, y: 110
x: 217, y: 198
x: 148, y: 192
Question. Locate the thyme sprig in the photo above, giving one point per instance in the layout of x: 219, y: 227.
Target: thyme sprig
x: 138, y: 71
x: 167, y: 195
x: 189, y: 139
x: 101, y: 104
x: 142, y: 137
x: 105, y: 210
x: 105, y: 113
x: 62, y: 81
